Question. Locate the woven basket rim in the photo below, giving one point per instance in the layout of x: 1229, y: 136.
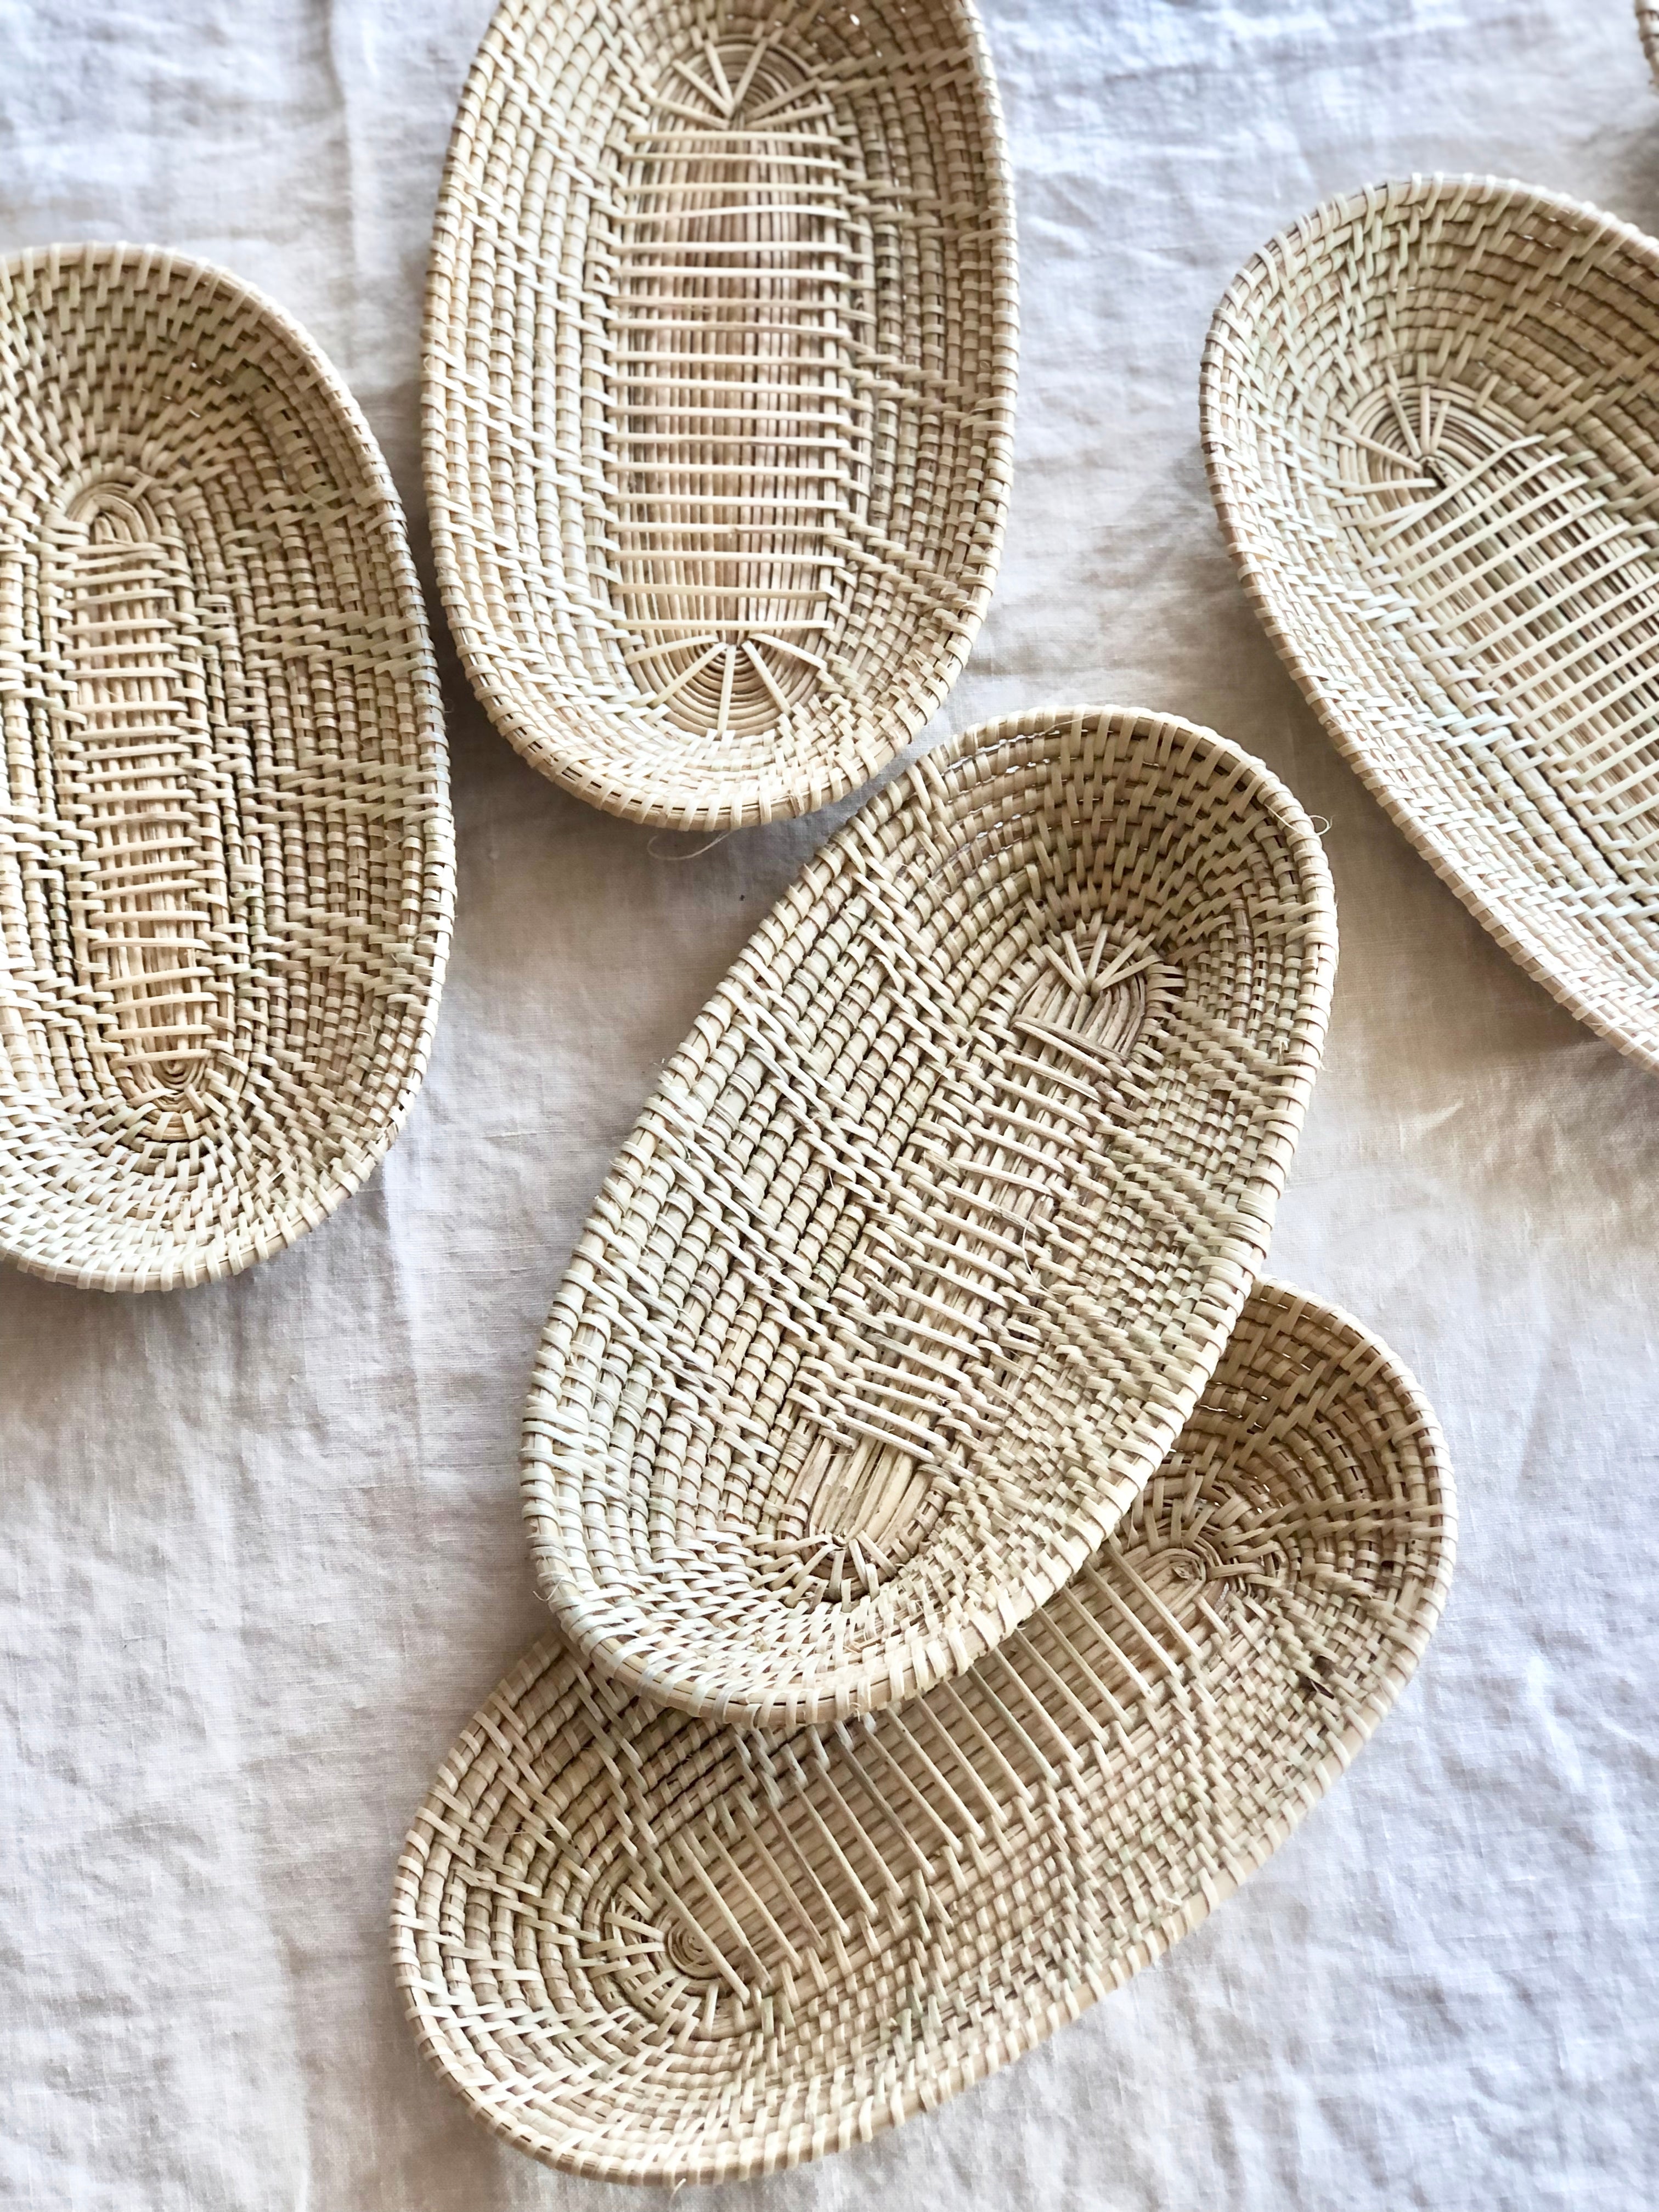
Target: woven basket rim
x: 1222, y: 472
x: 138, y: 263
x: 725, y: 2158
x: 124, y: 253
x: 567, y: 1583
x: 642, y: 800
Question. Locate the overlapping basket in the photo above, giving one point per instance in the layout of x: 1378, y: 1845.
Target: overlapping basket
x: 1430, y: 416
x: 719, y: 378
x: 937, y: 1224
x: 647, y: 1948
x: 226, y: 864
x: 881, y: 1407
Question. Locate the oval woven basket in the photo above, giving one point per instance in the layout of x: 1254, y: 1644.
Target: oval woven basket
x: 226, y: 870
x: 718, y: 386
x: 913, y: 1267
x: 644, y: 1947
x: 1430, y: 417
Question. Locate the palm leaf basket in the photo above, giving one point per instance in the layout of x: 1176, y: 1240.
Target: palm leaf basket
x: 1430, y: 416
x: 226, y: 869
x: 720, y: 366
x: 918, y: 1258
x: 646, y: 1947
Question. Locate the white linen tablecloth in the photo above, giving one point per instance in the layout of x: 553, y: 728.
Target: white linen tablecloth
x: 262, y: 1553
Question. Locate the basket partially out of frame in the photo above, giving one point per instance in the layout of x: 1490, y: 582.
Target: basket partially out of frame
x: 1430, y: 417
x: 650, y: 1948
x: 719, y: 378
x: 225, y: 855
x: 938, y: 1222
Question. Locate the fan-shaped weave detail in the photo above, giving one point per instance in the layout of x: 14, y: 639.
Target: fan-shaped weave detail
x: 719, y: 370
x: 1431, y: 422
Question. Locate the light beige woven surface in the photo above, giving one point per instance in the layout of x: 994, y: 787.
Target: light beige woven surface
x: 647, y: 1947
x: 719, y: 363
x: 259, y: 1576
x: 914, y: 1266
x: 1430, y: 416
x: 1647, y: 24
x: 226, y: 857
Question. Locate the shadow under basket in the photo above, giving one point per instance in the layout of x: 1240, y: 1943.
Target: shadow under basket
x: 644, y: 1947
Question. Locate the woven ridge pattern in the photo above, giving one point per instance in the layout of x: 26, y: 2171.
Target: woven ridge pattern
x: 1647, y: 24
x: 911, y: 1270
x: 225, y: 872
x: 1431, y: 423
x: 720, y: 366
x: 646, y: 1947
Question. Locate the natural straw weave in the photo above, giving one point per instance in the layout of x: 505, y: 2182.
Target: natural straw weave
x: 1430, y: 416
x: 719, y: 369
x: 1647, y: 23
x: 225, y: 846
x: 912, y: 1269
x: 650, y: 1948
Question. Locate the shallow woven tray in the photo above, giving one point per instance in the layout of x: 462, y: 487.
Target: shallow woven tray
x: 650, y: 1948
x: 1430, y: 416
x: 915, y: 1265
x: 225, y: 846
x: 719, y: 370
